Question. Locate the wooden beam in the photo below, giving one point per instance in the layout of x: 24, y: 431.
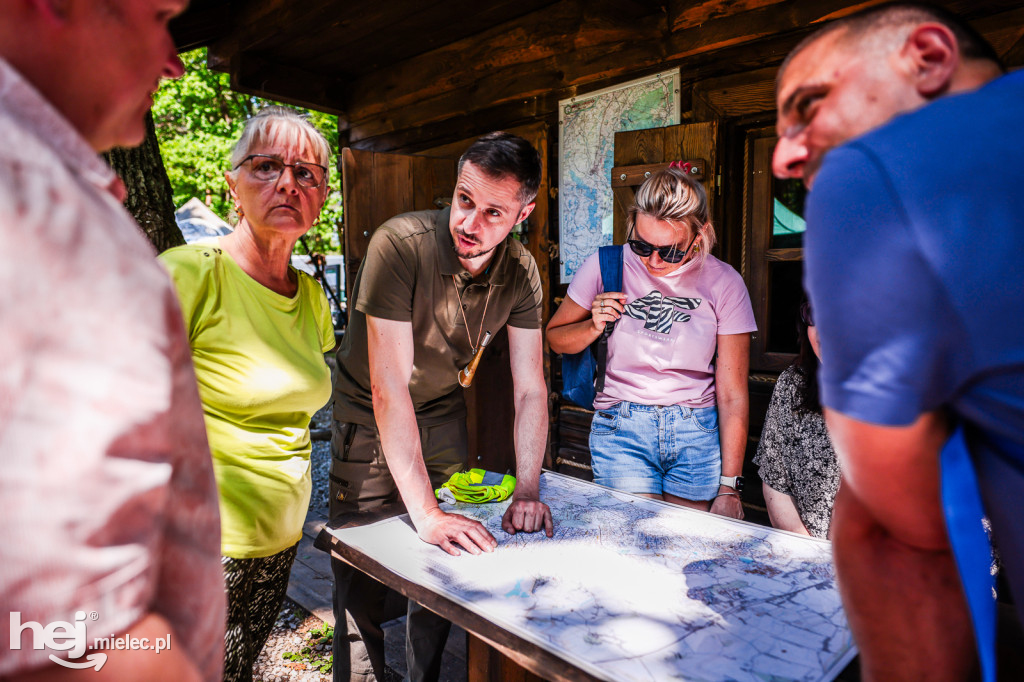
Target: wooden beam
x: 254, y: 75
x: 749, y: 92
x: 634, y: 175
x: 684, y: 14
x: 566, y: 48
x: 259, y: 22
x: 478, y: 61
x: 356, y: 37
x: 751, y: 25
x: 784, y: 255
x: 1014, y: 56
x: 380, y: 38
x: 569, y: 49
x: 419, y: 127
x: 204, y: 23
x: 419, y: 137
x: 1005, y: 32
x: 520, y: 59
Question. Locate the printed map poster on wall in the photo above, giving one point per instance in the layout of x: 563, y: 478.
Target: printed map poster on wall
x: 586, y: 133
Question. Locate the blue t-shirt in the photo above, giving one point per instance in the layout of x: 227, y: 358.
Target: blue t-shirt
x: 915, y: 264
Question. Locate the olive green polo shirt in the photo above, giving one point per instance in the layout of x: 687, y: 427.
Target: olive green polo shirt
x: 407, y: 275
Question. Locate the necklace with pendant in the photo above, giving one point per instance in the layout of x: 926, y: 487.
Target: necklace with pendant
x: 466, y: 374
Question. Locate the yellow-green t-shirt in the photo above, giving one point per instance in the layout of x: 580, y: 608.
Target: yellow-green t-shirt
x: 259, y: 362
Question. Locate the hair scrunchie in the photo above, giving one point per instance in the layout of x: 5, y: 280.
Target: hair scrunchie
x: 684, y: 166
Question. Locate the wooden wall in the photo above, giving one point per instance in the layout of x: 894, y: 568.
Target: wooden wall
x: 414, y: 74
x: 518, y: 71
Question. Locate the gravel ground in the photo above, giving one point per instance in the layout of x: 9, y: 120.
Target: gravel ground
x: 321, y: 461
x: 291, y: 634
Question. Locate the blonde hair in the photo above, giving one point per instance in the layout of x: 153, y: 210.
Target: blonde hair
x: 672, y: 195
x: 279, y: 124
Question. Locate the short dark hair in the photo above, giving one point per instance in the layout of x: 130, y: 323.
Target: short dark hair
x: 502, y: 155
x: 971, y: 43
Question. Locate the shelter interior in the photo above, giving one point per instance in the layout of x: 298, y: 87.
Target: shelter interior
x: 415, y: 81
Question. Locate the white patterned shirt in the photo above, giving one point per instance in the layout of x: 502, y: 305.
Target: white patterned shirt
x: 108, y: 504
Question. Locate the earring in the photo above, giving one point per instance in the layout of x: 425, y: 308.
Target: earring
x: 239, y: 212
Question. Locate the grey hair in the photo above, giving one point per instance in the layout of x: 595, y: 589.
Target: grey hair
x: 280, y: 124
x: 671, y: 194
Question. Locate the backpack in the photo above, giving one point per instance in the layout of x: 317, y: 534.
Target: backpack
x: 583, y: 372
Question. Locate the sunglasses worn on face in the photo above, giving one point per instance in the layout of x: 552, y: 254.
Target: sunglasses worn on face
x: 669, y: 254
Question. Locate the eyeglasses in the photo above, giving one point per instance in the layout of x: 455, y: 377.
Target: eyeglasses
x: 805, y: 314
x: 269, y: 169
x: 669, y: 254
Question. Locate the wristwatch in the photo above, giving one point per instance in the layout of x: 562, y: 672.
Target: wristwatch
x: 735, y: 482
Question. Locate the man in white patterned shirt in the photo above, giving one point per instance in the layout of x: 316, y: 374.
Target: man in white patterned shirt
x: 110, y: 526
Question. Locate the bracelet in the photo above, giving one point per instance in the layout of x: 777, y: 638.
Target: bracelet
x: 733, y: 494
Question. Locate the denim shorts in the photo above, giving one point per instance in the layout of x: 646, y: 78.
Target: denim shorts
x: 653, y: 449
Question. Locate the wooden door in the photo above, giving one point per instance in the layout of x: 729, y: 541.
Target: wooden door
x: 773, y: 253
x: 657, y: 147
x: 378, y: 186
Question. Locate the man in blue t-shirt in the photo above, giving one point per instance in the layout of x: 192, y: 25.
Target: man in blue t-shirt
x: 914, y: 246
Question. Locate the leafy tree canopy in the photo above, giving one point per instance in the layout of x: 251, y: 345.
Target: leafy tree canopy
x: 198, y: 119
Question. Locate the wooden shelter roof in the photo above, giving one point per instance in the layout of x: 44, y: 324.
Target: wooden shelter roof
x: 401, y: 71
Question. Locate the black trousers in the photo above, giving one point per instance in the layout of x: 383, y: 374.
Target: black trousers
x: 360, y: 481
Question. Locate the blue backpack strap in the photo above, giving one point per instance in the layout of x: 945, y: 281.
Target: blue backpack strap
x: 962, y: 507
x: 611, y: 280
x: 611, y: 267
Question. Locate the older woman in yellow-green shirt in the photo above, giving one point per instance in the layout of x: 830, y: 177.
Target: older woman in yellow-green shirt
x: 258, y: 330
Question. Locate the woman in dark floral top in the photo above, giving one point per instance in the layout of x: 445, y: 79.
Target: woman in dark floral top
x: 795, y: 457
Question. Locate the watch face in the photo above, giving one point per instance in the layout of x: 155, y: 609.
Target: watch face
x: 739, y: 484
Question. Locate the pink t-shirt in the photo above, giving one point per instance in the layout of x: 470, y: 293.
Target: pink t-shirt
x: 663, y: 348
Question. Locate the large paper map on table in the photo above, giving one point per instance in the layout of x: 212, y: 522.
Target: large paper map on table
x: 636, y: 589
x: 586, y: 144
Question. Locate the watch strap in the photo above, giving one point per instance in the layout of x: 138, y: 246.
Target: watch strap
x: 731, y: 481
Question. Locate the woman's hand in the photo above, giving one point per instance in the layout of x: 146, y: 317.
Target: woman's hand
x: 728, y: 503
x: 572, y: 328
x: 607, y: 307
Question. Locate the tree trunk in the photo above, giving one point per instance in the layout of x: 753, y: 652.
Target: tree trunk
x: 150, y: 198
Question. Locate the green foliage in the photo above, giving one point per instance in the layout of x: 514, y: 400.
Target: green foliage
x: 313, y: 659
x: 198, y: 119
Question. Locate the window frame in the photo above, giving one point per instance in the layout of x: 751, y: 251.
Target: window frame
x: 758, y: 254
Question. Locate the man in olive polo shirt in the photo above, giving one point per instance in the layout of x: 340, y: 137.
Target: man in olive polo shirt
x: 432, y: 285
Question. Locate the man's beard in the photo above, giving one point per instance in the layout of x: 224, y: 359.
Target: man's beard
x: 469, y: 254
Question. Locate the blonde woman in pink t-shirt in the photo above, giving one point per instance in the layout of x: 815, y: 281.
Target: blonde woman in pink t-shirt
x: 671, y: 422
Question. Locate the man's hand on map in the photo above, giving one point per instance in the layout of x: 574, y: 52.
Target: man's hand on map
x: 447, y: 530
x: 529, y: 515
x: 728, y: 505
